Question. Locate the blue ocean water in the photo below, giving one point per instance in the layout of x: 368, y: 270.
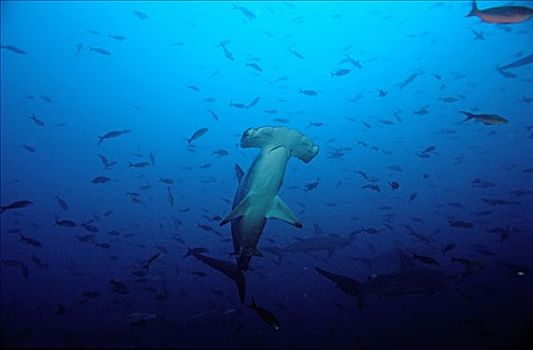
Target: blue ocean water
x: 121, y: 127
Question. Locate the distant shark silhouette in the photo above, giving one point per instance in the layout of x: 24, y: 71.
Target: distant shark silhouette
x: 319, y: 242
x: 256, y: 199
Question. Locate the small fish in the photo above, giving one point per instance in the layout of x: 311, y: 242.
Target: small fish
x: 138, y: 165
x: 487, y: 119
x: 140, y: 15
x: 394, y: 185
x: 13, y: 49
x: 64, y: 223
x: 117, y: 37
x: 107, y: 163
x: 30, y: 241
x: 412, y: 197
x: 311, y: 186
x: 79, y: 46
x: 409, y: 79
x: 426, y: 259
x: 100, y: 180
x: 221, y: 152
x: 461, y: 224
x: 193, y: 88
x: 45, y: 98
x: 16, y: 205
x: 167, y: 181
x: 247, y: 13
x: 297, y: 54
x: 265, y: 315
x: 502, y: 14
x: 170, y: 197
x: 118, y: 286
x: 227, y: 53
x: 152, y: 259
x: 36, y: 120
x: 340, y: 72
x: 253, y: 103
x: 478, y: 35
x: 237, y: 105
x: 62, y: 203
x: 308, y: 92
x: 112, y: 134
x: 519, y: 63
x: 254, y: 66
x: 195, y: 251
x: 382, y: 93
x: 100, y: 51
x: 315, y: 124
x: 213, y: 114
x: 197, y: 134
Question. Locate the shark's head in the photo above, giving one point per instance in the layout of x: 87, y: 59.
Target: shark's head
x: 299, y: 145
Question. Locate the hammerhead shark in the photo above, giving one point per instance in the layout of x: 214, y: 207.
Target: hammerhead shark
x: 257, y: 197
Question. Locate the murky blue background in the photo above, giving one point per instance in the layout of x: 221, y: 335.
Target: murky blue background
x: 162, y: 79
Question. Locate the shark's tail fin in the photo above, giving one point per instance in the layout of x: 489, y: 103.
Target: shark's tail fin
x: 474, y: 10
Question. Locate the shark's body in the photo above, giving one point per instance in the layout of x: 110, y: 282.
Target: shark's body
x: 256, y: 199
x: 405, y: 281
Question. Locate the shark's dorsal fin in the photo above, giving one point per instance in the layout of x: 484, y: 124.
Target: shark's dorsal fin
x: 239, y: 210
x: 280, y: 210
x: 239, y: 173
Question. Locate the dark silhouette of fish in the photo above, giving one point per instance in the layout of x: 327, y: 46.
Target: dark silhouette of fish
x: 519, y: 63
x: 140, y: 15
x: 197, y: 134
x: 502, y: 14
x: 13, y: 49
x: 487, y: 119
x: 15, y: 205
x: 100, y: 51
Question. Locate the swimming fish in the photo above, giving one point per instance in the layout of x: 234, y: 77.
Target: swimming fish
x: 15, y: 205
x: 501, y: 14
x: 100, y: 51
x: 13, y: 49
x: 487, y: 119
x: 197, y: 134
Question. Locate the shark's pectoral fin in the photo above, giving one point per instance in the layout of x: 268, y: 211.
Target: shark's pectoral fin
x: 239, y: 210
x: 281, y: 211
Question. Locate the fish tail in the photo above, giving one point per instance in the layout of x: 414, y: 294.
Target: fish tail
x: 100, y: 140
x: 474, y: 11
x: 468, y: 115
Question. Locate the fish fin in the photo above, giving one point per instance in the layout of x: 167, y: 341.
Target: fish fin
x: 239, y: 172
x: 468, y: 115
x: 281, y: 211
x: 257, y: 252
x: 474, y: 10
x: 240, y: 210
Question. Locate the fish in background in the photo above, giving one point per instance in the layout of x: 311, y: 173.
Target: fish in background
x: 15, y: 205
x: 112, y: 134
x: 501, y: 14
x: 487, y: 119
x: 13, y: 49
x: 265, y: 315
x: 256, y: 199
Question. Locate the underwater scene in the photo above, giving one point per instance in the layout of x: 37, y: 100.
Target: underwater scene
x: 266, y: 174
